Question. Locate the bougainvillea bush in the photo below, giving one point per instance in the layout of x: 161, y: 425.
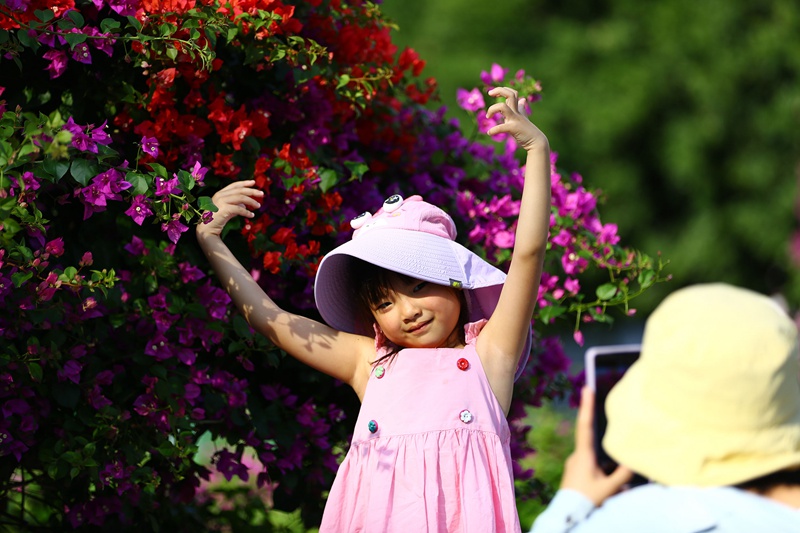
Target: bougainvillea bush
x: 119, y: 351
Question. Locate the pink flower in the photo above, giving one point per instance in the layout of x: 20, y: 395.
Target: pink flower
x: 55, y: 247
x: 608, y: 235
x: 470, y: 100
x: 495, y: 75
x: 578, y: 336
x: 562, y: 239
x: 48, y: 287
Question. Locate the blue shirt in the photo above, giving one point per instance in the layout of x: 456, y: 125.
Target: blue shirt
x: 655, y: 508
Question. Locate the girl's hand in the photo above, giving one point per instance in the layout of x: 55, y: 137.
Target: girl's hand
x: 238, y: 198
x: 515, y: 122
x: 581, y: 472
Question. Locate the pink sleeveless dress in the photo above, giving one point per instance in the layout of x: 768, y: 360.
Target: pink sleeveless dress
x: 430, y: 450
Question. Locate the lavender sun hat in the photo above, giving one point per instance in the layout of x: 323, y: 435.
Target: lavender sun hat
x: 411, y: 237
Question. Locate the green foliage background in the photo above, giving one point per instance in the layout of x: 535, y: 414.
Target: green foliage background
x: 685, y: 112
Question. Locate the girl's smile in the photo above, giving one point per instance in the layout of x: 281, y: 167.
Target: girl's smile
x: 418, y: 314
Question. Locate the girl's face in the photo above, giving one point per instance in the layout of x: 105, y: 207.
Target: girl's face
x: 418, y: 314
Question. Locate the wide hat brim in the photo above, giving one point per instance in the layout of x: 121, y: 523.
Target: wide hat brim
x: 714, y: 398
x: 416, y: 254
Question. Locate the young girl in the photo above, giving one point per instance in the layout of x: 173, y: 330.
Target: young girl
x: 428, y: 335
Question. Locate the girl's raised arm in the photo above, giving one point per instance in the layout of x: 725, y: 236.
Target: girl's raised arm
x: 502, y: 340
x: 341, y: 355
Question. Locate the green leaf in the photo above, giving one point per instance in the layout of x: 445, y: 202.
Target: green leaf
x: 343, y: 80
x: 25, y: 39
x: 160, y: 170
x: 646, y: 278
x: 75, y: 39
x: 357, y: 168
x: 18, y: 278
x: 328, y: 178
x: 44, y: 15
x: 76, y: 17
x: 139, y: 183
x: 606, y: 291
x: 83, y: 170
x: 70, y: 272
x: 172, y: 53
x: 204, y: 203
x: 135, y: 23
x: 241, y: 327
x: 56, y: 167
x: 35, y: 370
x: 109, y: 25
x: 232, y: 33
x: 551, y: 312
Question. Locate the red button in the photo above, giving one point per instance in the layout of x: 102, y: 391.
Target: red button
x: 463, y: 364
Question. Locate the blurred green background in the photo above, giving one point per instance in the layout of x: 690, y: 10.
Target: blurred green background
x: 685, y: 113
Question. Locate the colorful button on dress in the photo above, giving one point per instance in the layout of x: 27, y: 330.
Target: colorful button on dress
x: 425, y: 468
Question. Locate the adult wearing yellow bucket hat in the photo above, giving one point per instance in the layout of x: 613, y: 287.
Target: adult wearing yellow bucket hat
x: 710, y: 413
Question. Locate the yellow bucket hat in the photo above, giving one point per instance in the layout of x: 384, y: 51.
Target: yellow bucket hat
x: 714, y: 397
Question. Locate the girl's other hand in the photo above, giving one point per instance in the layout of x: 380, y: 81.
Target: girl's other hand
x: 514, y: 122
x: 581, y: 472
x: 237, y: 199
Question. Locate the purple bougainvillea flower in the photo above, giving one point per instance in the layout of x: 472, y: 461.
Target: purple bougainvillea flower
x: 71, y: 371
x: 167, y: 187
x: 139, y: 209
x: 150, y: 146
x: 18, y: 5
x: 30, y: 182
x: 15, y: 406
x: 158, y: 347
x: 126, y: 8
x: 173, y: 229
x: 228, y: 465
x: 111, y: 183
x: 81, y: 54
x: 207, y: 217
x: 102, y: 41
x: 58, y: 62
x: 71, y: 127
x: 99, y: 134
x: 189, y: 272
x: 136, y: 246
x: 215, y: 300
x: 198, y: 172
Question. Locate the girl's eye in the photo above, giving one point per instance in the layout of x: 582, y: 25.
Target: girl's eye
x: 420, y: 286
x: 382, y: 306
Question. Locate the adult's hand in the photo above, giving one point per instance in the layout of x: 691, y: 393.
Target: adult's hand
x: 581, y: 472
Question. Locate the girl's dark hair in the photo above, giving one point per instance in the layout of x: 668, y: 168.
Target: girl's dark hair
x: 372, y: 285
x: 762, y: 485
